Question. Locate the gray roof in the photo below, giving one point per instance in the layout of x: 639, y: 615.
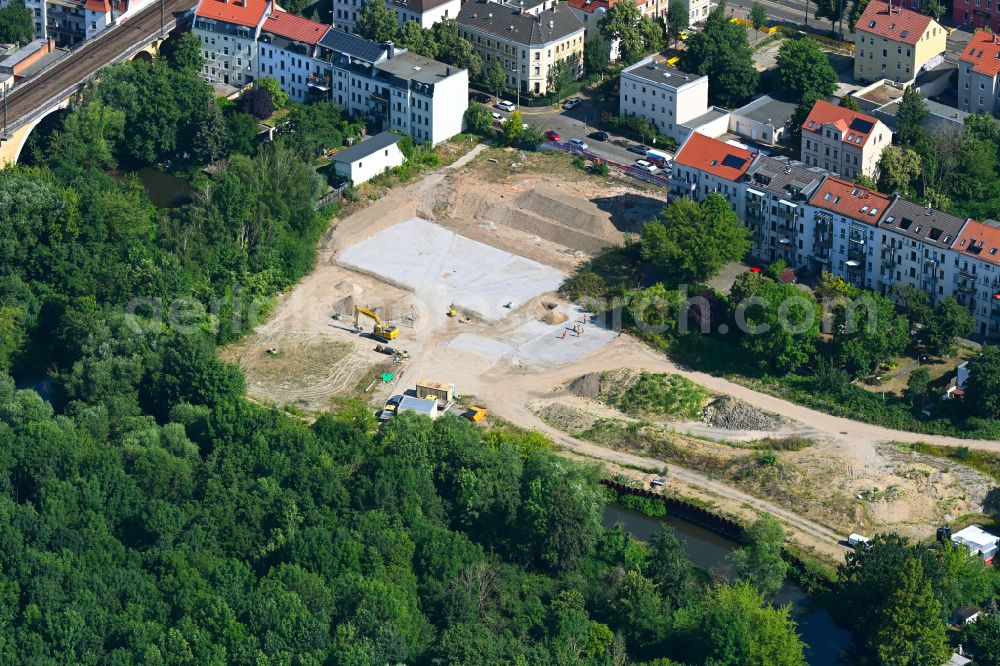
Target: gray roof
x: 660, y: 74
x: 783, y: 177
x: 352, y: 45
x: 940, y: 116
x: 409, y: 66
x: 365, y: 148
x: 712, y: 114
x: 418, y: 6
x: 528, y: 29
x: 419, y: 405
x: 921, y: 223
x: 767, y: 109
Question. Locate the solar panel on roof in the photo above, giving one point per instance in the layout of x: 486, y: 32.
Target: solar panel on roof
x: 733, y: 161
x: 862, y: 125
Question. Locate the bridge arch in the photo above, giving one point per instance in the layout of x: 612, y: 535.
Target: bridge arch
x: 10, y: 148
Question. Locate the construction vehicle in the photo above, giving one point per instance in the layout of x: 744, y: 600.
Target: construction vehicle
x: 475, y: 414
x: 451, y: 311
x: 381, y: 331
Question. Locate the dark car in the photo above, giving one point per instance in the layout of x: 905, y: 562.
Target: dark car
x: 598, y: 136
x: 638, y: 149
x: 482, y: 98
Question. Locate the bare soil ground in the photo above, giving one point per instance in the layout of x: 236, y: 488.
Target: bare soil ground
x: 541, y: 207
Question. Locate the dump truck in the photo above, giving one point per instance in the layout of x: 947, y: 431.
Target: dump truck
x: 475, y: 414
x: 381, y: 331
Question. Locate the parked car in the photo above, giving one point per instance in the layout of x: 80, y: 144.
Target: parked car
x: 571, y: 103
x: 648, y: 167
x: 579, y: 143
x: 504, y: 105
x: 598, y: 136
x: 638, y: 149
x: 497, y: 117
x: 482, y: 98
x: 552, y: 135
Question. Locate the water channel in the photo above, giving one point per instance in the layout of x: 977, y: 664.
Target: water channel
x: 827, y: 644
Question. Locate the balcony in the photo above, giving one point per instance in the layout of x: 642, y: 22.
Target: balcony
x: 318, y: 83
x: 966, y: 272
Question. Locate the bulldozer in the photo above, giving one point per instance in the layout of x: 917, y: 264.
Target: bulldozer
x: 381, y: 331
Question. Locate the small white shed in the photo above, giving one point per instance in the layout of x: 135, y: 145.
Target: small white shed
x: 367, y: 159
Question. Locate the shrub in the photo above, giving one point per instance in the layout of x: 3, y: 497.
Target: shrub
x: 257, y: 102
x: 644, y: 505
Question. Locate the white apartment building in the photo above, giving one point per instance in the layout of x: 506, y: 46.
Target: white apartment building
x: 666, y: 97
x: 978, y: 67
x: 845, y: 142
x: 69, y: 22
x: 527, y: 38
x: 776, y: 193
x: 915, y: 247
x: 228, y: 30
x: 975, y: 259
x: 590, y: 13
x: 425, y: 12
x: 286, y: 48
x: 704, y: 165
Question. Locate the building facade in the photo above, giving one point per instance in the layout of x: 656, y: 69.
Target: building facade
x: 528, y: 38
x: 776, y: 194
x: 590, y: 13
x: 704, y: 165
x: 228, y: 30
x: 369, y: 158
x: 425, y: 12
x: 666, y: 97
x: 978, y: 67
x: 843, y: 141
x: 894, y: 43
x: 286, y: 50
x: 975, y: 262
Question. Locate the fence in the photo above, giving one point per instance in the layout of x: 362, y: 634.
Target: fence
x: 682, y: 509
x: 333, y: 196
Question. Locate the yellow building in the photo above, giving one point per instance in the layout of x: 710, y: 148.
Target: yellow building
x: 895, y: 43
x: 527, y: 38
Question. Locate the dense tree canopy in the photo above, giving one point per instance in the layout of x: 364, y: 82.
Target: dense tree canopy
x: 722, y: 52
x: 17, y: 25
x: 805, y: 71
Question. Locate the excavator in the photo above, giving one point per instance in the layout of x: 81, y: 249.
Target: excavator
x: 383, y: 332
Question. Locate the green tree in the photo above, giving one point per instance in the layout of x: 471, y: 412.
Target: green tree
x: 760, y: 562
x: 88, y: 138
x: 637, y: 608
x: 692, y: 242
x: 857, y: 9
x: 831, y: 10
x: 982, y: 638
x: 479, y: 119
x: 668, y: 566
x: 918, y: 387
x: 805, y: 70
x: 279, y: 98
x: 212, y: 140
x: 242, y: 129
x: 513, y: 129
x: 848, y: 102
x: 456, y: 51
x: 184, y: 53
x: 560, y: 75
x: 944, y: 325
x: 377, y: 22
x: 867, y: 332
x: 911, y: 631
x: 17, y: 25
x: 915, y: 303
x: 653, y: 35
x: 758, y: 17
x: 935, y: 8
x: 496, y: 78
x: 982, y: 390
x: 899, y: 169
x: 621, y: 23
x: 532, y: 138
x: 910, y: 117
x: 678, y: 19
x: 780, y: 323
x: 722, y: 52
x: 414, y: 38
x: 595, y: 56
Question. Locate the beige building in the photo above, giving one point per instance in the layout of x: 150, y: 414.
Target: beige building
x: 843, y: 141
x: 527, y: 38
x: 895, y: 43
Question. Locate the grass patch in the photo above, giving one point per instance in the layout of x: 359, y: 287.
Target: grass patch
x: 790, y: 443
x: 654, y: 508
x: 659, y: 394
x: 986, y: 462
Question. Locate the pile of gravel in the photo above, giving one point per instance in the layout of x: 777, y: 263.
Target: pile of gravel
x: 731, y: 413
x: 587, y: 386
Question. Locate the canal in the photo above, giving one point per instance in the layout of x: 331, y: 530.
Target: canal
x: 826, y: 643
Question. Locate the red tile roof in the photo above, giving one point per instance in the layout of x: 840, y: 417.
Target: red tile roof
x: 855, y: 127
x: 901, y: 25
x: 979, y: 240
x: 714, y: 157
x: 239, y: 12
x: 591, y: 6
x: 295, y: 28
x: 102, y: 6
x: 845, y: 198
x: 983, y: 53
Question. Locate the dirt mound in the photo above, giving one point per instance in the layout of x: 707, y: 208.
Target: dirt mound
x: 554, y: 318
x: 587, y: 386
x: 569, y: 211
x: 345, y: 287
x: 520, y: 219
x: 731, y: 413
x: 345, y: 305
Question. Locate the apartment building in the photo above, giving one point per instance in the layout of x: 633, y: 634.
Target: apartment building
x: 978, y: 67
x: 425, y: 12
x: 976, y: 14
x: 70, y: 22
x: 915, y: 247
x: 590, y: 13
x: 776, y: 194
x: 976, y: 270
x: 843, y: 141
x: 228, y: 30
x: 845, y: 219
x: 894, y: 43
x: 664, y: 96
x: 527, y: 38
x: 704, y: 165
x: 286, y: 48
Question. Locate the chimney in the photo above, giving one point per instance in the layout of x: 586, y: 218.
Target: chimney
x: 447, y: 70
x: 552, y: 24
x: 390, y: 50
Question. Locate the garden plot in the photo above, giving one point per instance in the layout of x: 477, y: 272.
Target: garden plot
x: 444, y: 268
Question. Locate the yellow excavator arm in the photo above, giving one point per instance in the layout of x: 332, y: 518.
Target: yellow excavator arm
x: 383, y: 331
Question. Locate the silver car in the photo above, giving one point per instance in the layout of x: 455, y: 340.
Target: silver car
x: 579, y: 143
